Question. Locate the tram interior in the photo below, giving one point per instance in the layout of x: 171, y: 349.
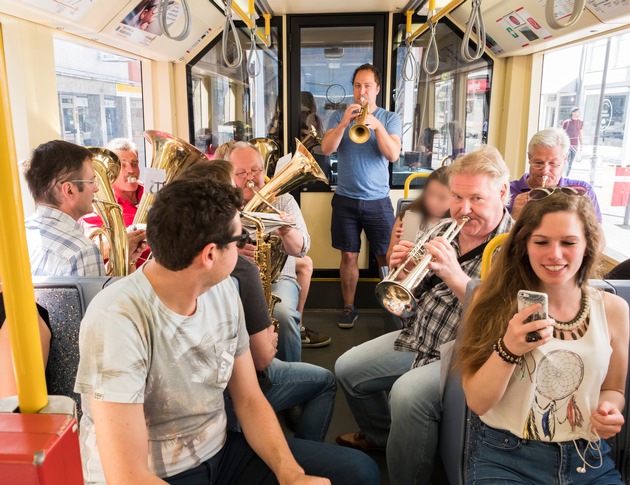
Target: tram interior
x: 90, y: 70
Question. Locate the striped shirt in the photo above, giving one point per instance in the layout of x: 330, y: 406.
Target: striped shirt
x: 58, y: 247
x: 439, y: 310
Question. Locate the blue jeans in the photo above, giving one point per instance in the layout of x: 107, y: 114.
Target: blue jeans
x: 294, y: 383
x: 289, y: 338
x: 500, y: 458
x: 407, y: 425
x: 237, y: 464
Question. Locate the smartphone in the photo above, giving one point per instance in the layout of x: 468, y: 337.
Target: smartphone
x: 411, y: 222
x: 528, y: 298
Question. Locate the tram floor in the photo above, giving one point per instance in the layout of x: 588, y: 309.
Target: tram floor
x: 369, y: 325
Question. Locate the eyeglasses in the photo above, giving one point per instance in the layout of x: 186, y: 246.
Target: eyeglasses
x: 241, y: 239
x: 542, y: 165
x: 244, y: 173
x: 571, y: 190
x: 94, y: 181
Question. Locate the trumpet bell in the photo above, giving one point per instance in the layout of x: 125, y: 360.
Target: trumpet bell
x: 396, y: 299
x: 359, y: 133
x: 269, y: 151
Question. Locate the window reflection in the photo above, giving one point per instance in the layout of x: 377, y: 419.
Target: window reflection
x: 229, y: 104
x: 445, y: 114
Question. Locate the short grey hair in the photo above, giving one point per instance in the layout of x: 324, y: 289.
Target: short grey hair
x: 486, y: 160
x: 550, y: 138
x: 122, y: 145
x: 225, y: 151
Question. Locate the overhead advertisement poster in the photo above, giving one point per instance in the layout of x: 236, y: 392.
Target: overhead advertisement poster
x: 141, y: 25
x: 523, y: 27
x: 72, y: 9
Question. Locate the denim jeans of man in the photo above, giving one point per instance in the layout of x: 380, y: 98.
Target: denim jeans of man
x: 500, y: 458
x: 237, y: 464
x: 289, y: 338
x: 313, y: 387
x: 407, y: 424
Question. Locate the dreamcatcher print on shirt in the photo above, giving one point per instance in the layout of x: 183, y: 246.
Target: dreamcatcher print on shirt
x: 558, y: 377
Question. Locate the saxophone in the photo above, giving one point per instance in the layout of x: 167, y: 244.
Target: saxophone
x: 262, y: 259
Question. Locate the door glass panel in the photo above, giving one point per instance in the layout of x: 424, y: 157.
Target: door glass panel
x: 329, y: 56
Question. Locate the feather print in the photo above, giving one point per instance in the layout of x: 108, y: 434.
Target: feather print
x: 531, y: 431
x: 574, y: 415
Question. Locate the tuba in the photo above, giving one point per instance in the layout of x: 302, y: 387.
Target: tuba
x: 397, y: 296
x: 302, y: 168
x: 107, y: 167
x: 359, y: 132
x: 269, y: 151
x: 170, y: 154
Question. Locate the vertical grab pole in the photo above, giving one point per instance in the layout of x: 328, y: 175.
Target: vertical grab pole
x: 19, y: 300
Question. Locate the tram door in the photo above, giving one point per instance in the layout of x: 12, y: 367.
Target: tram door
x: 325, y: 51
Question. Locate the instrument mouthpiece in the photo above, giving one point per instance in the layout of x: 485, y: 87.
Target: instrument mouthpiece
x: 250, y: 184
x: 544, y: 180
x: 132, y: 180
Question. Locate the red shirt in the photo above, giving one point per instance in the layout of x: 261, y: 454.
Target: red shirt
x: 129, y: 210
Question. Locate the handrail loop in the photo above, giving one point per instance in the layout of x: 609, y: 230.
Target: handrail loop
x: 431, y: 47
x: 410, y: 65
x: 475, y: 22
x: 550, y: 14
x: 253, y: 59
x: 163, y: 7
x: 229, y: 25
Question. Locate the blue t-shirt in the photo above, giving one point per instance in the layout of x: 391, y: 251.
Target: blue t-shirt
x: 362, y: 170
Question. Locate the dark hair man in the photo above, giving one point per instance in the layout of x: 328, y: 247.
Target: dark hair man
x: 152, y: 379
x: 361, y: 200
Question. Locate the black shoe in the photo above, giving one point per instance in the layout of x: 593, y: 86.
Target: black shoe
x: 313, y: 339
x: 348, y: 317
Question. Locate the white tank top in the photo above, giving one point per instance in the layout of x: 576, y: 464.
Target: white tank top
x: 555, y: 404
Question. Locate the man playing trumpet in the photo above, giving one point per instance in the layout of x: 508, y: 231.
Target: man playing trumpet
x: 547, y: 154
x: 407, y: 363
x: 361, y: 200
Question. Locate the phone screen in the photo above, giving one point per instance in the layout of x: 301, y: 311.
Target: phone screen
x: 528, y: 298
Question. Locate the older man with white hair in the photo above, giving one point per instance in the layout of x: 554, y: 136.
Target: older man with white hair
x: 407, y: 362
x: 547, y: 154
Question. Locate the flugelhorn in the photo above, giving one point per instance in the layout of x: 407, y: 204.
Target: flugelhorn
x: 397, y: 296
x: 106, y: 167
x: 359, y: 132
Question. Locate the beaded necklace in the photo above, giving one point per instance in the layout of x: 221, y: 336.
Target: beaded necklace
x: 580, y: 320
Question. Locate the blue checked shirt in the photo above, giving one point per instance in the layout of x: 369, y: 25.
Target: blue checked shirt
x: 439, y: 310
x: 58, y: 247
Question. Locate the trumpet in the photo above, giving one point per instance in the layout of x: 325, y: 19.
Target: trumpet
x: 397, y: 296
x: 359, y: 132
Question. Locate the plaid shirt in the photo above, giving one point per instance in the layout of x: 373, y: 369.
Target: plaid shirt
x: 287, y: 203
x: 439, y: 310
x: 58, y: 247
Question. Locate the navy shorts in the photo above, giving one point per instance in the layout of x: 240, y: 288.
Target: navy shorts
x: 351, y: 216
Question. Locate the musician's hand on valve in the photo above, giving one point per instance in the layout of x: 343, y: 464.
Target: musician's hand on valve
x: 519, y: 203
x: 350, y: 114
x: 247, y: 251
x: 399, y: 254
x: 444, y: 263
x: 515, y: 335
x: 373, y: 123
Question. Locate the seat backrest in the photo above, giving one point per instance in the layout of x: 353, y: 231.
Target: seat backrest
x: 458, y: 425
x: 402, y: 204
x: 66, y: 300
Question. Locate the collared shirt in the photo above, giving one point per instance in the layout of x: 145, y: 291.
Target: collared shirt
x: 129, y: 210
x: 439, y: 310
x: 58, y: 247
x: 519, y: 186
x: 286, y: 203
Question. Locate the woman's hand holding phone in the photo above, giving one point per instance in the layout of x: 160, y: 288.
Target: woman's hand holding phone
x: 515, y: 338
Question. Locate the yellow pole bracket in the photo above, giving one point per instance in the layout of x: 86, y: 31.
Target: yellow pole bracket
x: 411, y: 177
x: 409, y: 15
x: 250, y: 23
x: 15, y: 269
x: 434, y: 19
x: 488, y: 252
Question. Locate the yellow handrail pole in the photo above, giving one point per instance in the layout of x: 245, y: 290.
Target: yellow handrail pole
x: 408, y: 14
x: 19, y: 299
x: 425, y: 26
x: 245, y: 18
x: 486, y: 257
x: 411, y: 177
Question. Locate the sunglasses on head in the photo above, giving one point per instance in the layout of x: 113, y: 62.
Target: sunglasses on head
x: 570, y: 190
x: 241, y: 239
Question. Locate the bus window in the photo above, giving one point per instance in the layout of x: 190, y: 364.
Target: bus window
x: 100, y: 95
x: 585, y: 90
